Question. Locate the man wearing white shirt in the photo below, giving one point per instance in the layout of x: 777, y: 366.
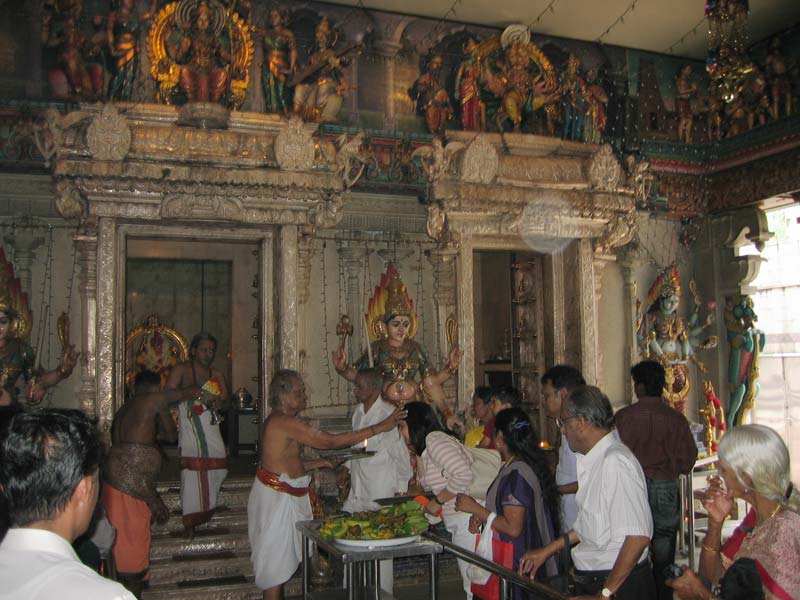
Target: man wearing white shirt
x: 49, y: 485
x: 557, y: 382
x: 387, y: 472
x: 614, y: 524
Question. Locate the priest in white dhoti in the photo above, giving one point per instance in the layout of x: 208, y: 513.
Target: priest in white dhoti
x: 203, y: 453
x: 383, y: 475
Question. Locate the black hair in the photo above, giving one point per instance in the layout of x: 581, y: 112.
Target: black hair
x: 507, y: 395
x: 651, y: 375
x: 742, y: 581
x: 563, y: 377
x: 145, y: 381
x: 372, y: 376
x: 280, y: 384
x: 422, y: 420
x: 43, y: 457
x: 201, y: 337
x: 484, y: 393
x: 522, y: 440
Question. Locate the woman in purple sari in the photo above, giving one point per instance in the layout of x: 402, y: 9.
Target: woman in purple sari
x: 523, y: 497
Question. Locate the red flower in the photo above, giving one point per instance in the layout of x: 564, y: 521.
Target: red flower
x: 723, y: 427
x: 713, y: 421
x: 198, y: 409
x: 716, y: 402
x: 714, y: 446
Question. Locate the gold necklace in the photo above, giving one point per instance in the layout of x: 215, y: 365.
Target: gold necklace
x: 774, y: 512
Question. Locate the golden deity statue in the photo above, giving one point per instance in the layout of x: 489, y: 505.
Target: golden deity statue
x: 17, y: 358
x: 392, y: 324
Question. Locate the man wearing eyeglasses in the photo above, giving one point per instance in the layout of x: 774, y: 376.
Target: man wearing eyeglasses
x: 611, y: 535
x: 557, y: 383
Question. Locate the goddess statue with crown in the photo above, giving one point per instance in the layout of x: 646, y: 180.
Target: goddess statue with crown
x: 17, y: 358
x: 392, y: 324
x: 669, y: 338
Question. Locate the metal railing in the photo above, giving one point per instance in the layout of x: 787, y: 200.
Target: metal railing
x: 508, y: 578
x: 687, y: 506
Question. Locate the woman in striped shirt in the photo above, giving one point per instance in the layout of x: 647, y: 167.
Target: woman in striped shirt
x: 443, y: 467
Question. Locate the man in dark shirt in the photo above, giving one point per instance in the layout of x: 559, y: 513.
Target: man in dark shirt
x: 661, y: 440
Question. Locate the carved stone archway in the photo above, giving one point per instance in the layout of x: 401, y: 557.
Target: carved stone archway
x: 131, y: 171
x: 501, y: 192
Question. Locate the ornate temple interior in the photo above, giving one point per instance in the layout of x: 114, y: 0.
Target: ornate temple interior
x: 549, y: 189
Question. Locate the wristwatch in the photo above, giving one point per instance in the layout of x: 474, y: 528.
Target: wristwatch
x: 606, y: 593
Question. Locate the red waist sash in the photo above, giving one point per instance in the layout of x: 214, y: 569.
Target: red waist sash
x: 203, y: 463
x: 272, y: 480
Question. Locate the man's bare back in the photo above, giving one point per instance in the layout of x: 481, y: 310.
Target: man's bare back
x: 284, y: 434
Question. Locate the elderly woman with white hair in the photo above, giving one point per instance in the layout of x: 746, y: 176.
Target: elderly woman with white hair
x: 754, y: 466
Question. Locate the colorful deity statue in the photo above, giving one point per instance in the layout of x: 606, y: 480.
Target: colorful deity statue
x: 76, y: 75
x: 199, y: 46
x: 685, y: 91
x: 392, y: 324
x: 467, y: 89
x: 431, y: 98
x: 320, y: 85
x: 670, y: 339
x: 17, y: 358
x: 574, y: 97
x: 596, y: 101
x: 780, y: 85
x: 280, y: 61
x: 746, y: 343
x: 122, y: 31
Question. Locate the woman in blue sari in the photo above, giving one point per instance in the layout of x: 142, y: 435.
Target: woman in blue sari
x: 523, y: 497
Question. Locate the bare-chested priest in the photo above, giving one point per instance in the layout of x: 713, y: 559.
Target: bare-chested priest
x: 203, y: 454
x: 281, y: 495
x: 129, y: 490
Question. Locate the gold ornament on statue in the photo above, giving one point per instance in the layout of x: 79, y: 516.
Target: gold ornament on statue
x: 13, y: 301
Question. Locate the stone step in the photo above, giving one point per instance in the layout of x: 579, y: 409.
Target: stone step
x: 200, y: 566
x: 224, y: 516
x: 232, y: 496
x: 219, y: 589
x: 234, y: 588
x: 217, y: 539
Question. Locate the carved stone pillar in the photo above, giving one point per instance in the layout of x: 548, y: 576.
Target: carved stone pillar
x: 588, y: 310
x: 600, y: 263
x: 388, y: 50
x: 305, y: 252
x: 86, y: 246
x: 354, y: 257
x: 25, y: 241
x: 445, y: 301
x: 288, y: 334
x: 556, y: 277
x: 105, y: 324
x: 630, y: 260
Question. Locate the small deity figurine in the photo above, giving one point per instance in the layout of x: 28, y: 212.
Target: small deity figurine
x: 17, y: 358
x: 573, y: 100
x: 714, y: 116
x: 280, y: 61
x: 431, y: 98
x: 516, y: 83
x: 393, y: 321
x: 319, y: 92
x: 668, y: 338
x: 685, y: 90
x: 199, y: 47
x: 780, y: 86
x: 746, y: 343
x: 74, y: 77
x: 122, y: 32
x: 596, y: 101
x: 467, y: 90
